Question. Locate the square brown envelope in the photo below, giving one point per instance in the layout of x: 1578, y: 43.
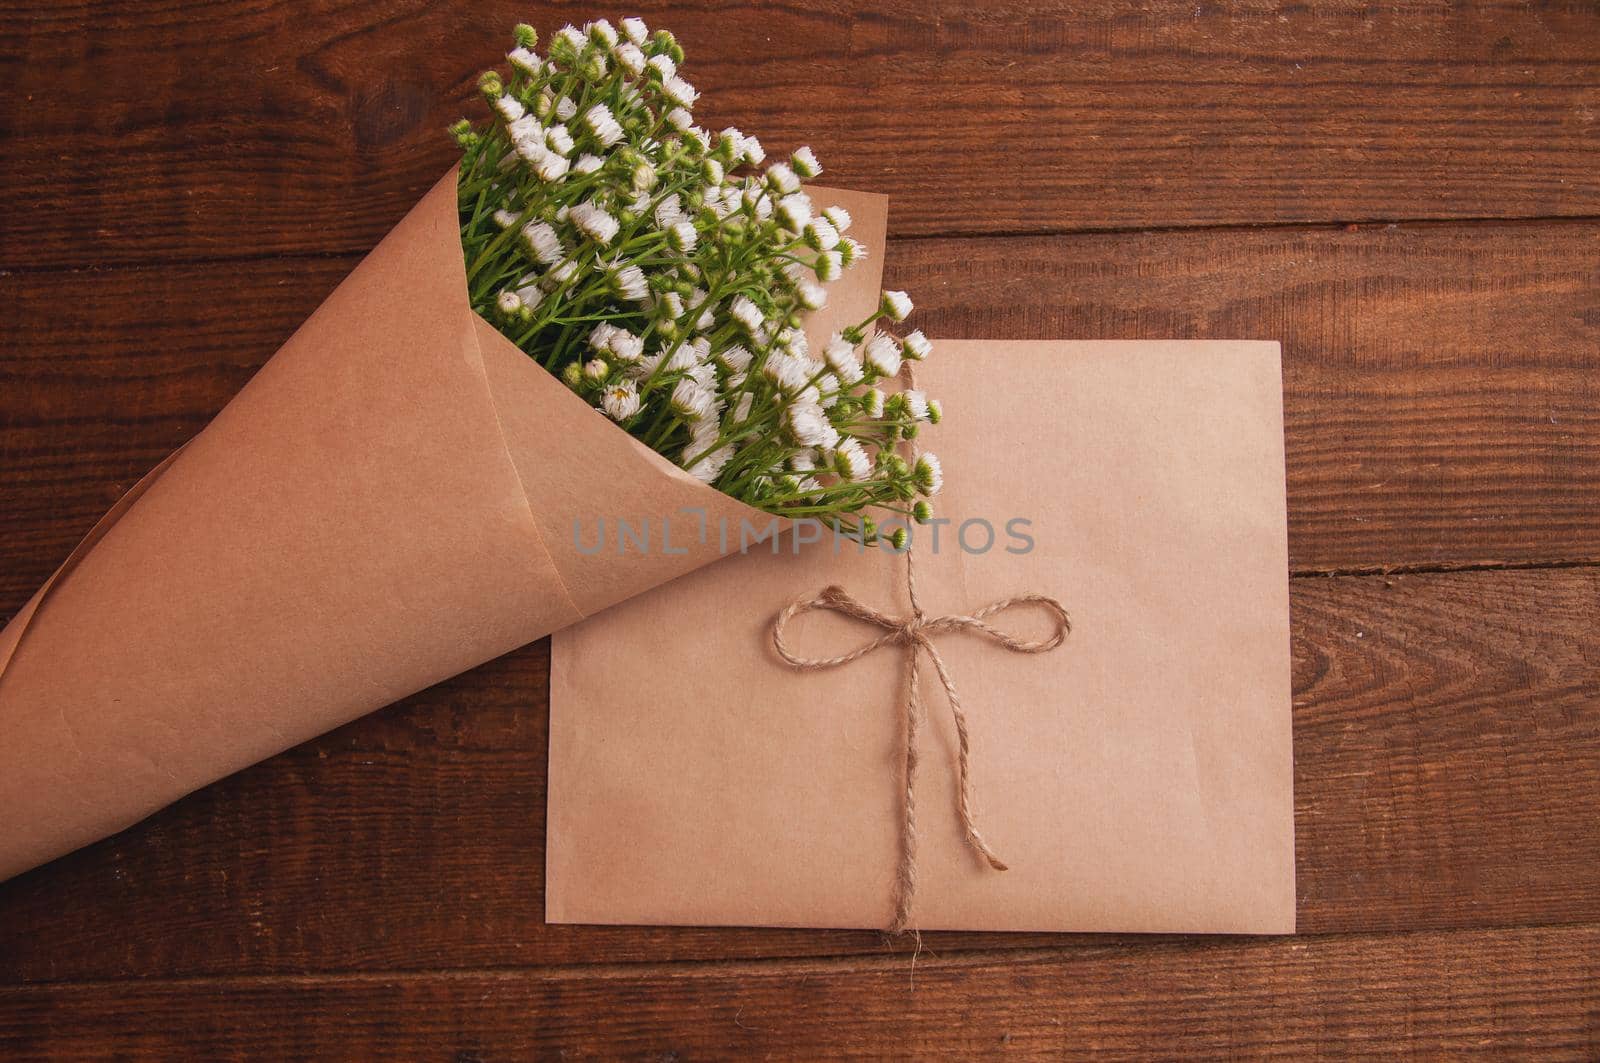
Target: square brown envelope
x: 1137, y: 778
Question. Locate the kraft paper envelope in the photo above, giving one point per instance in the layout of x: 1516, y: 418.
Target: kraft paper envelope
x: 1137, y: 778
x: 387, y: 503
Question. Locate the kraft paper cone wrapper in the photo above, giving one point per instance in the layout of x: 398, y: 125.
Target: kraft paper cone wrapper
x: 1137, y: 778
x: 389, y: 502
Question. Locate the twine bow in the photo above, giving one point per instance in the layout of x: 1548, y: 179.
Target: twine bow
x: 915, y: 633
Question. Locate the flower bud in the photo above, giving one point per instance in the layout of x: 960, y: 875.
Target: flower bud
x: 896, y: 305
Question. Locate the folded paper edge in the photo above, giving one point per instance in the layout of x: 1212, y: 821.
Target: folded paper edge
x: 12, y: 635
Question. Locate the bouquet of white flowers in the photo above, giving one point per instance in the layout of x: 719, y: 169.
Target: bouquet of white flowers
x: 601, y: 314
x: 661, y: 276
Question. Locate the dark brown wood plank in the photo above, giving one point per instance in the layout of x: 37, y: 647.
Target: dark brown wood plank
x: 1529, y: 993
x: 221, y: 130
x: 1442, y: 383
x: 1447, y: 744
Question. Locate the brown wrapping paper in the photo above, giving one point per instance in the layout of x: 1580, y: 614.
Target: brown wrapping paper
x: 387, y: 503
x: 1138, y: 778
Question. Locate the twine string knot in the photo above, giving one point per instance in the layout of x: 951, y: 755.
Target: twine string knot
x: 914, y: 632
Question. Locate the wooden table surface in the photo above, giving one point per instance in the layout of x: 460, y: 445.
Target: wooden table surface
x: 1406, y: 195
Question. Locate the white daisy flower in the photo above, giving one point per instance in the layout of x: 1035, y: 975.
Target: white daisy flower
x: 600, y: 121
x: 789, y: 373
x: 571, y: 35
x: 812, y: 296
x: 840, y: 354
x: 704, y: 374
x: 851, y: 461
x: 561, y: 274
x: 682, y: 237
x: 821, y: 235
x: 631, y: 58
x: 526, y: 130
x: 553, y: 167
x: 781, y: 179
x: 558, y: 140
x: 805, y: 163
x: 872, y: 403
x: 632, y: 284
x: 883, y: 355
x: 735, y: 359
x: 565, y: 109
x: 635, y: 30
x: 852, y: 251
x: 751, y: 151
x: 594, y: 222
x: 709, y: 467
x: 896, y: 305
x: 588, y: 163
x: 510, y: 108
x: 679, y: 92
x: 505, y: 218
x: 669, y: 211
x: 625, y: 345
x: 809, y: 426
x: 523, y: 60
x: 838, y: 217
x: 543, y: 242
x: 602, y: 33
x: 620, y: 400
x: 747, y: 314
x: 663, y: 65
x: 928, y: 474
x: 508, y: 302
x: 828, y: 267
x: 596, y: 369
x: 916, y: 346
x: 691, y: 401
x: 688, y: 359
x: 794, y: 211
x: 916, y: 403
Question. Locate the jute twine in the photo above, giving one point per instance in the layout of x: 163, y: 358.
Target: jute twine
x: 915, y: 632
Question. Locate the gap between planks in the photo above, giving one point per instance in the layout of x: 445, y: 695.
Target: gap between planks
x: 923, y: 958
x: 1019, y: 234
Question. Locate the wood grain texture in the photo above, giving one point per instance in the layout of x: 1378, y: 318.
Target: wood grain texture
x: 1525, y: 994
x: 138, y: 133
x: 1442, y: 383
x: 184, y: 182
x: 1446, y: 728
